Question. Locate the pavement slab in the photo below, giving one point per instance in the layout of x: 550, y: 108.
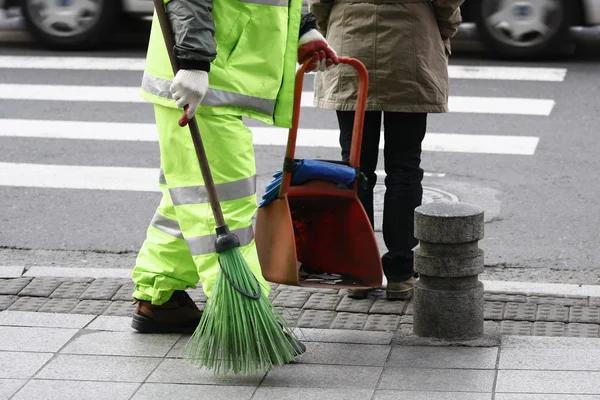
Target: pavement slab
x: 378, y: 322
x: 6, y: 301
x: 71, y: 356
x: 75, y: 390
x: 44, y: 320
x: 121, y: 344
x: 448, y: 357
x: 13, y: 286
x: 111, y: 323
x: 545, y: 396
x: 505, y: 312
x: 342, y: 354
x: 20, y: 365
x: 28, y: 304
x: 161, y: 391
x: 549, y: 382
x: 8, y: 387
x: 400, y: 394
x: 99, y: 368
x: 9, y: 271
x: 182, y: 372
x: 324, y: 376
x: 41, y: 287
x: 346, y: 320
x: 455, y: 380
x: 270, y: 393
x: 57, y: 305
x: 18, y: 338
x: 70, y: 290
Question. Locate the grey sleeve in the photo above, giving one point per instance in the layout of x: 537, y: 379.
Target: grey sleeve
x: 193, y: 29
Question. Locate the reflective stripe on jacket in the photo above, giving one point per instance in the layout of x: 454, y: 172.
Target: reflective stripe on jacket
x: 253, y: 73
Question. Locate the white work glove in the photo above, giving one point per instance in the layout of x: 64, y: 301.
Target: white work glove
x: 189, y: 88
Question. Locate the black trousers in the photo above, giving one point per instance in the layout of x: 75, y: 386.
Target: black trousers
x: 403, y: 135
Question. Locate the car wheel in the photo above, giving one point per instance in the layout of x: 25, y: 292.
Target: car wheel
x: 524, y: 28
x: 71, y: 24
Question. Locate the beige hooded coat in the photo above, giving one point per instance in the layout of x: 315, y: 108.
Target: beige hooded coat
x: 404, y: 44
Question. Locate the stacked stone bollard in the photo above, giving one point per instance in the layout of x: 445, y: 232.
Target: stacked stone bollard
x: 448, y: 297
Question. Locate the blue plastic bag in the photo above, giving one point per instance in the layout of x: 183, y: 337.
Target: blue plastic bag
x: 307, y: 170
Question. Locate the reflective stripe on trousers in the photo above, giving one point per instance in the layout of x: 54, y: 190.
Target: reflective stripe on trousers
x: 179, y: 248
x: 202, y: 244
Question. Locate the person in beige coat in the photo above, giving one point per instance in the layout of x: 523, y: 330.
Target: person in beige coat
x: 405, y: 46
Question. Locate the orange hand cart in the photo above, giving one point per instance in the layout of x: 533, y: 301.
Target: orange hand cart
x: 320, y: 229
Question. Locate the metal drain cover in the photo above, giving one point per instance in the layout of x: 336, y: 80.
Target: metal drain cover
x: 430, y: 195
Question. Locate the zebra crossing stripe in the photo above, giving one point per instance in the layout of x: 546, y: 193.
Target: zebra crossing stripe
x: 112, y: 94
x: 131, y: 94
x: 137, y: 64
x: 507, y: 73
x: 78, y: 177
x: 482, y: 105
x: 73, y: 63
x: 78, y: 130
x: 263, y: 136
x: 84, y: 177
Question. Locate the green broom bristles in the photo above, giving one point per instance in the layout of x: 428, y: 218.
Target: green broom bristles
x: 237, y: 333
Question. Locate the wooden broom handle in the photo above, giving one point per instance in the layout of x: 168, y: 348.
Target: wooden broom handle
x: 192, y: 123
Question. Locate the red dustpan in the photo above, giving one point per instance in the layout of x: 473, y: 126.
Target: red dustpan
x: 318, y: 234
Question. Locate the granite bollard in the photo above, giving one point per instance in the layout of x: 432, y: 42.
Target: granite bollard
x: 448, y: 297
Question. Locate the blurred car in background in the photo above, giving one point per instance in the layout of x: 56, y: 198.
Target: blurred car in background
x: 528, y: 28
x: 78, y: 24
x: 514, y: 28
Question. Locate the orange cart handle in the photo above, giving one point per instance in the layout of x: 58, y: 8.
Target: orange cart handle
x: 359, y: 119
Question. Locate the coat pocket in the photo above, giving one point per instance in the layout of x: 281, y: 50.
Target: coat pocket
x: 227, y: 43
x: 448, y: 47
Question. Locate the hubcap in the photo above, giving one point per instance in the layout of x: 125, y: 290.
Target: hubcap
x: 522, y: 23
x: 64, y: 18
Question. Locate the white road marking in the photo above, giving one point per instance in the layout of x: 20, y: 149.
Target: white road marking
x: 381, y: 173
x: 481, y: 105
x: 131, y: 94
x: 137, y: 64
x: 78, y: 177
x: 73, y: 63
x: 78, y: 130
x: 113, y: 94
x: 507, y: 73
x: 263, y: 136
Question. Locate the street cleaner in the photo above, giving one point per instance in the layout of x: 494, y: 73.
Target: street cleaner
x: 237, y: 58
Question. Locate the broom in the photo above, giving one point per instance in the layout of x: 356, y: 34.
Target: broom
x: 240, y: 330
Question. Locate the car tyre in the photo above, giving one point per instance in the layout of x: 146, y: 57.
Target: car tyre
x: 554, y: 41
x: 109, y: 14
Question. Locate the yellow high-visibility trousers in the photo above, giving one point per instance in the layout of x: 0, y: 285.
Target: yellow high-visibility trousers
x: 179, y: 249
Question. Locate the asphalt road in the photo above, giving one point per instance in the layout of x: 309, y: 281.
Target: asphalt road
x: 523, y: 146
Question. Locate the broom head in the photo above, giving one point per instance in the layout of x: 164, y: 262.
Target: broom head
x: 240, y: 330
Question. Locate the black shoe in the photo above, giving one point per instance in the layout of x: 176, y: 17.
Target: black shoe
x: 178, y: 315
x: 299, y: 347
x: 359, y: 294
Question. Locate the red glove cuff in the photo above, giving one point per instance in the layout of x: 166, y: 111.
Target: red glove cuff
x: 313, y: 44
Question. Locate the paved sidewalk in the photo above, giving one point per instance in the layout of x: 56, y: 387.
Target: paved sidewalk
x: 73, y: 356
x: 531, y: 309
